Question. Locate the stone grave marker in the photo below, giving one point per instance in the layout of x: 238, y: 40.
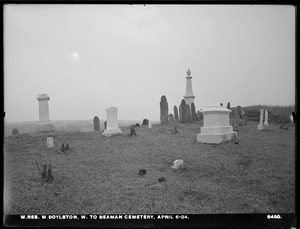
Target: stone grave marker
x: 171, y: 118
x: 112, y: 127
x: 261, y: 118
x: 216, y: 127
x: 96, y: 122
x: 164, y: 110
x: 176, y: 114
x: 50, y: 143
x: 44, y: 121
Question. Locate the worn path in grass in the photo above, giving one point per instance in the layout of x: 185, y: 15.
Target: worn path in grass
x: 99, y: 175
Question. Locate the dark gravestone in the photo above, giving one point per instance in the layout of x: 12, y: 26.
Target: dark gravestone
x: 105, y: 124
x: 132, y: 130
x: 176, y: 114
x: 63, y: 147
x: 145, y: 122
x: 194, y: 115
x: 189, y: 113
x: 96, y: 124
x: 184, y: 112
x: 235, y: 139
x: 67, y: 147
x: 137, y: 125
x: 200, y: 116
x: 221, y: 104
x: 164, y: 110
x: 171, y: 118
x: 162, y: 179
x: 142, y: 172
x: 228, y: 105
x: 15, y: 132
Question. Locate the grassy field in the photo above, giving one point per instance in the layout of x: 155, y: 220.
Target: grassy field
x: 99, y: 175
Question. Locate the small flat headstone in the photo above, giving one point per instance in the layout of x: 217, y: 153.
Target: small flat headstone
x: 162, y: 179
x: 177, y: 164
x: 50, y: 143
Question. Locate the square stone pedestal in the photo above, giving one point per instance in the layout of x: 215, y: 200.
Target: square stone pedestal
x: 44, y: 127
x: 216, y: 125
x: 111, y: 132
x: 215, y: 138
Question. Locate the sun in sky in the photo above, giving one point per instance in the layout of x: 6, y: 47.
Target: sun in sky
x: 75, y: 55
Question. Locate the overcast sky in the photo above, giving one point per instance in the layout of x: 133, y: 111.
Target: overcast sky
x: 88, y: 58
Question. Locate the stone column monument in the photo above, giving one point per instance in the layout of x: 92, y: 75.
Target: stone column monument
x: 44, y: 121
x: 216, y: 127
x: 261, y: 125
x: 189, y: 97
x: 112, y: 127
x: 266, y: 118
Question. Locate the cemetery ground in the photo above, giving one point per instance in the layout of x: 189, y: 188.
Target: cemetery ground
x: 99, y: 175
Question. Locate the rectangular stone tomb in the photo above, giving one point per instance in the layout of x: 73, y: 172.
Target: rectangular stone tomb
x: 216, y: 126
x: 112, y: 127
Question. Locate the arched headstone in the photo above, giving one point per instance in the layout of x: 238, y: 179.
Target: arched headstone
x: 96, y: 123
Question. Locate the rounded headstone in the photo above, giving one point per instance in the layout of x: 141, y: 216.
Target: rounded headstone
x: 96, y: 122
x: 15, y: 132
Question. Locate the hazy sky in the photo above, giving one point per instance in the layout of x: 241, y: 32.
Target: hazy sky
x: 88, y: 58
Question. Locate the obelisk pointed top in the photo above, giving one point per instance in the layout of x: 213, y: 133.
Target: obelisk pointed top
x: 188, y: 72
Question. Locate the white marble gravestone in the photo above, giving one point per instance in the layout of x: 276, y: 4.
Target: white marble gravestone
x: 44, y: 121
x: 112, y: 127
x: 50, y: 143
x: 261, y: 118
x: 149, y: 124
x: 266, y: 118
x: 216, y: 127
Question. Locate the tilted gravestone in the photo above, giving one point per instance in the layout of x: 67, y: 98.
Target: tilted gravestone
x: 183, y: 111
x: 105, y: 124
x: 132, y: 130
x: 171, y: 118
x: 96, y: 123
x: 194, y: 115
x: 176, y: 114
x: 164, y: 110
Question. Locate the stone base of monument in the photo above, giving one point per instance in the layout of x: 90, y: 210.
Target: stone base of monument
x: 260, y: 127
x: 216, y: 135
x: 44, y: 127
x: 111, y: 132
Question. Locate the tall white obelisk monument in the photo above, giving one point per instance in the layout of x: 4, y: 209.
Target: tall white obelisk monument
x: 189, y: 96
